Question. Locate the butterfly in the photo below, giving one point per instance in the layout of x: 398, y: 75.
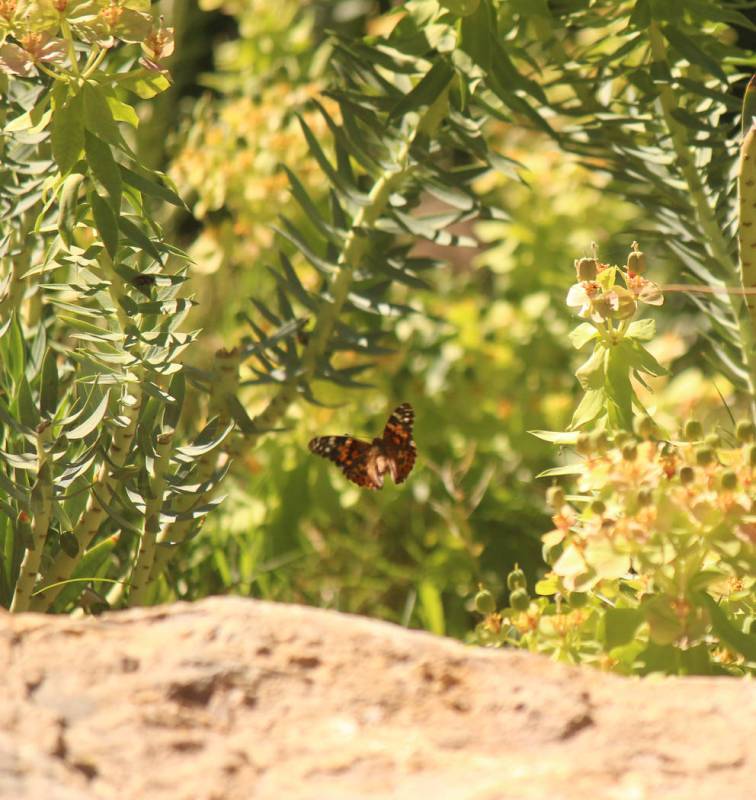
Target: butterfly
x: 365, y: 463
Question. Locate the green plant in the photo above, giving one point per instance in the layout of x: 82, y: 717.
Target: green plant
x: 91, y: 310
x: 652, y: 561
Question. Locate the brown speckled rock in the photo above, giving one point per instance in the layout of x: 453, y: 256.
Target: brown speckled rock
x: 232, y: 699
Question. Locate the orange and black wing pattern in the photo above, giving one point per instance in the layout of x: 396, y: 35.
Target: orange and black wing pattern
x: 398, y: 444
x: 352, y: 455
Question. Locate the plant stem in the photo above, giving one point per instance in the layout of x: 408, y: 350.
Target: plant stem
x: 140, y: 579
x: 90, y: 520
x: 715, y: 240
x: 42, y: 506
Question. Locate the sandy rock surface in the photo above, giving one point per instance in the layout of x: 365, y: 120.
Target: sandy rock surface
x: 231, y: 698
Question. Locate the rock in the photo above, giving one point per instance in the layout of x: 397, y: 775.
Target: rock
x: 230, y: 698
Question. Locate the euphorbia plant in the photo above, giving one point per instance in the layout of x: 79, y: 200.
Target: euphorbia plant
x: 653, y: 559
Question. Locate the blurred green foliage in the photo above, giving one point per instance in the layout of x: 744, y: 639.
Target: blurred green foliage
x: 486, y: 360
x: 482, y: 364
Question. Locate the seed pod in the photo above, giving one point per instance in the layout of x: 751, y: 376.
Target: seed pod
x: 586, y: 269
x: 693, y: 431
x: 687, y: 475
x: 598, y: 507
x: 630, y: 451
x: 516, y: 579
x: 599, y: 442
x: 644, y: 427
x: 704, y: 456
x: 752, y: 455
x: 636, y: 262
x: 645, y: 497
x: 729, y: 480
x: 519, y: 600
x: 484, y: 602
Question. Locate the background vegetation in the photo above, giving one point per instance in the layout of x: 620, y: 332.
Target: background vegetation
x: 546, y: 127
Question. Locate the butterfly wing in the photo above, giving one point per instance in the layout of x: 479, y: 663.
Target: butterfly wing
x: 398, y: 443
x: 352, y: 455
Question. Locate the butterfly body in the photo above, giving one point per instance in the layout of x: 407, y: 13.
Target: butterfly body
x: 366, y: 463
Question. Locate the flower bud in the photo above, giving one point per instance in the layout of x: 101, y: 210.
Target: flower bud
x: 645, y: 497
x: 586, y: 269
x: 516, y: 579
x: 687, y: 475
x: 621, y: 438
x: 752, y: 455
x: 636, y: 260
x: 598, y: 506
x: 704, y: 456
x: 555, y: 497
x: 630, y: 451
x: 644, y: 427
x: 713, y: 440
x: 583, y: 444
x: 693, y: 431
x: 484, y: 602
x: 599, y: 442
x: 745, y: 431
x: 519, y: 600
x: 729, y: 480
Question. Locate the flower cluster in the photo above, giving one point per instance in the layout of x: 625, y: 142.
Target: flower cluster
x: 600, y: 299
x: 654, y: 557
x: 42, y: 32
x: 231, y: 160
x: 662, y: 511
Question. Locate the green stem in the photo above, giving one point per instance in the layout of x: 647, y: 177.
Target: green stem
x: 42, y: 507
x: 90, y: 520
x: 140, y: 579
x: 91, y: 67
x: 94, y: 514
x: 65, y: 30
x: 715, y: 240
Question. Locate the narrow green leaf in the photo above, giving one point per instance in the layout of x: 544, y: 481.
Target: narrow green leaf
x: 84, y: 428
x: 98, y: 117
x: 692, y: 52
x: 48, y: 393
x: 69, y: 206
x: 732, y: 636
x: 172, y: 410
x: 556, y: 437
x: 106, y: 222
x: 568, y: 469
x: 151, y: 186
x: 426, y: 92
x: 67, y: 132
x: 104, y: 169
x: 137, y: 237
